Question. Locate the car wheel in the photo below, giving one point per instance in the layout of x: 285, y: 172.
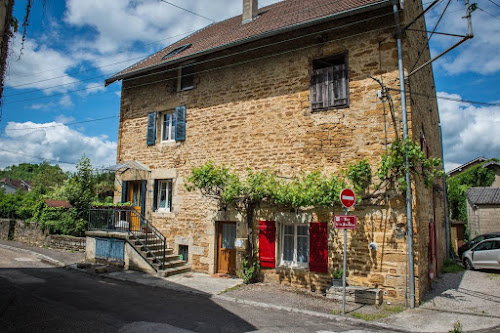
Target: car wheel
x: 468, y: 264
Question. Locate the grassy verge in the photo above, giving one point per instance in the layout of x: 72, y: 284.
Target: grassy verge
x: 381, y: 312
x: 451, y: 266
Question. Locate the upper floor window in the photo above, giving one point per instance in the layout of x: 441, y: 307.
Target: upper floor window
x: 186, y: 80
x: 329, y: 83
x: 168, y: 126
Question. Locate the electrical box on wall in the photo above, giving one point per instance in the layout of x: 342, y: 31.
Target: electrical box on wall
x: 240, y: 243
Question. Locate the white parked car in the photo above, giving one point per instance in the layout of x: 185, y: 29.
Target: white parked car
x: 485, y: 254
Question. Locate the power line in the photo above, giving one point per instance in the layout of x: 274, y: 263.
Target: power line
x: 458, y: 100
x: 39, y: 157
x: 201, y: 40
x: 66, y: 124
x: 92, y: 70
x: 494, y: 16
x: 187, y: 10
x: 229, y: 55
x: 493, y: 2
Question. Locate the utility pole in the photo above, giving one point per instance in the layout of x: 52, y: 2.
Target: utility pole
x: 409, y: 216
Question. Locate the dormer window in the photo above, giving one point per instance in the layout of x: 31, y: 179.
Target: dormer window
x: 176, y: 51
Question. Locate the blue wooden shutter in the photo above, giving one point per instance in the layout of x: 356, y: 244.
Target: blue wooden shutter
x: 142, y: 199
x: 155, y: 195
x: 124, y: 191
x: 151, y: 136
x: 180, y: 126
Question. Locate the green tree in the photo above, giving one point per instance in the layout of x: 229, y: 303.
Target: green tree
x: 82, y: 193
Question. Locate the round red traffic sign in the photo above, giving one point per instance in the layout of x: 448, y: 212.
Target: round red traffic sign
x: 347, y: 197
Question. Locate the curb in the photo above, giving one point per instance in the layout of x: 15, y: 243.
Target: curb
x: 42, y: 257
x: 336, y: 318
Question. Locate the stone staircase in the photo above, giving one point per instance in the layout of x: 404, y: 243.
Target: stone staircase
x: 153, y: 254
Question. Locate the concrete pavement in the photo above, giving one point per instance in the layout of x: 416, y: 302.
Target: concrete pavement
x: 470, y: 297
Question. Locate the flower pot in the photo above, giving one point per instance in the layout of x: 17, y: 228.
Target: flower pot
x: 336, y: 282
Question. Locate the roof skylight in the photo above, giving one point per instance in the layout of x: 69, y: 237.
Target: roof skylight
x: 176, y: 51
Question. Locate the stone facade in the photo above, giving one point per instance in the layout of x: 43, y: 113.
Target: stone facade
x: 256, y: 113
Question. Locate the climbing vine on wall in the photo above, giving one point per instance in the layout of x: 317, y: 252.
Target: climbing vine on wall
x: 458, y: 186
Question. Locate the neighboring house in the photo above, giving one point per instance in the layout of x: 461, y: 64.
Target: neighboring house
x: 483, y: 210
x: 12, y: 185
x: 483, y: 203
x: 287, y: 86
x: 466, y: 166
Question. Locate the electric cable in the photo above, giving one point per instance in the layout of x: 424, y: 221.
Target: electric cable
x: 200, y: 40
x: 62, y: 124
x: 208, y: 60
x: 187, y: 10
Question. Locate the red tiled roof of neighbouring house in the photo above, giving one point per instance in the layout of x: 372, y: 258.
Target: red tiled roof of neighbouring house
x: 271, y: 20
x: 57, y: 203
x: 17, y: 183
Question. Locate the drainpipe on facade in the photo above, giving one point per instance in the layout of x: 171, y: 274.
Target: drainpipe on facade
x: 409, y: 217
x: 445, y: 200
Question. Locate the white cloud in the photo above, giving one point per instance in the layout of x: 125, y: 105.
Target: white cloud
x: 476, y: 55
x: 468, y: 131
x: 66, y: 101
x: 56, y: 144
x: 39, y: 67
x: 63, y: 119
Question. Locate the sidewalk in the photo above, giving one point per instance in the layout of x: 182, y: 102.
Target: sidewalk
x: 471, y: 297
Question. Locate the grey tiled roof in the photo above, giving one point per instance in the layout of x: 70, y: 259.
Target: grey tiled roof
x: 484, y: 195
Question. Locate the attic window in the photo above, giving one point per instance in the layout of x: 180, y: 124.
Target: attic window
x: 176, y: 51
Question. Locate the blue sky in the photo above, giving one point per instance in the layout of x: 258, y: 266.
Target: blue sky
x: 73, y: 45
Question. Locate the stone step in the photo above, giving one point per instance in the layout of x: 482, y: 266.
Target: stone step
x: 360, y: 295
x: 159, y: 253
x: 174, y: 270
x: 174, y: 263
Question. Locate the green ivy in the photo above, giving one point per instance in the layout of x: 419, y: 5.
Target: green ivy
x: 393, y: 168
x: 360, y: 175
x: 249, y: 270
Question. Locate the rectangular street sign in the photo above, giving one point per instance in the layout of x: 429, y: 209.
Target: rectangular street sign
x: 346, y: 221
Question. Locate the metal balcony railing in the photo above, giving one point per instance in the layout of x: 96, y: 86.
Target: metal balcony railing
x: 129, y: 220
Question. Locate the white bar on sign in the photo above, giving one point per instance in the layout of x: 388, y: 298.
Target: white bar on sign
x: 347, y: 197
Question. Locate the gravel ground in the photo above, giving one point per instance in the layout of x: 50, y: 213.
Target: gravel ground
x: 291, y: 297
x: 468, y: 291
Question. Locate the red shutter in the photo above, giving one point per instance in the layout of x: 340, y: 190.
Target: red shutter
x: 432, y: 241
x: 267, y: 241
x: 318, y: 247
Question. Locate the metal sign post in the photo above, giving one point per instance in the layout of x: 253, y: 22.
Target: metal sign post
x: 345, y: 222
x: 344, y: 267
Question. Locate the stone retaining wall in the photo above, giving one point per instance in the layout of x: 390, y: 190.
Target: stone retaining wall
x: 30, y: 233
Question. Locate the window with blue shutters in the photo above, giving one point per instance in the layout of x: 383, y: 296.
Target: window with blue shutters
x: 151, y: 134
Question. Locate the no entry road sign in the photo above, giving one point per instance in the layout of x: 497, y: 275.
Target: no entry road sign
x: 347, y: 197
x: 346, y: 221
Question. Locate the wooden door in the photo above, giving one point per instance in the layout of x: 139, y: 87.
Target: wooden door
x: 226, y: 252
x: 133, y: 196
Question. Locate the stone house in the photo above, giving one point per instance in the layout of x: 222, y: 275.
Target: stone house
x: 288, y: 87
x: 483, y: 203
x: 10, y: 186
x: 483, y: 210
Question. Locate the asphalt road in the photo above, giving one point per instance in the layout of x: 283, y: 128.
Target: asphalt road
x: 37, y: 297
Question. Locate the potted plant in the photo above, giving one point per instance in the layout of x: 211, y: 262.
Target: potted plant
x: 337, y: 277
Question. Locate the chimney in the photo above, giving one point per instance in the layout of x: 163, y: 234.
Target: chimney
x: 250, y: 8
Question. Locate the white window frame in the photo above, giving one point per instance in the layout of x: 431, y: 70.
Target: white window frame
x: 169, y: 126
x: 294, y: 263
x: 166, y: 209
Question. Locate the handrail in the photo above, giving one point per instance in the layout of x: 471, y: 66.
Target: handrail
x: 128, y: 219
